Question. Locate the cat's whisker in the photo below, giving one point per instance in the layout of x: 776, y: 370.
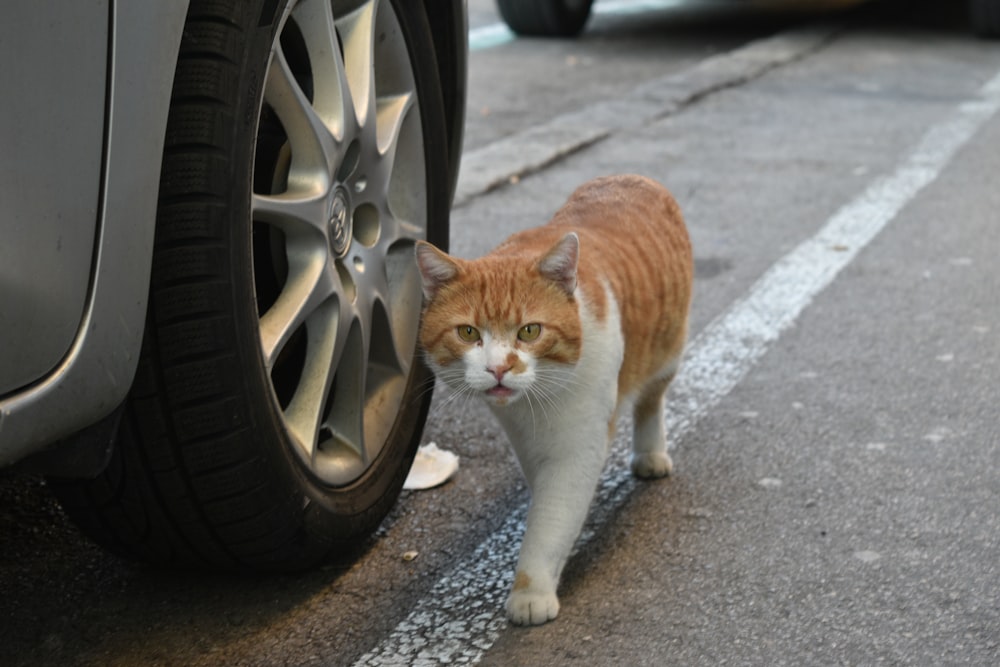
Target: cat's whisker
x: 544, y: 395
x: 557, y: 374
x: 554, y: 387
x: 534, y: 422
x: 556, y: 371
x: 454, y: 396
x: 444, y: 374
x: 426, y: 387
x: 464, y: 391
x: 564, y: 375
x: 542, y: 400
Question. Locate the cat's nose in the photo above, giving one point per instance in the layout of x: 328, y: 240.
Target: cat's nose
x: 498, y: 371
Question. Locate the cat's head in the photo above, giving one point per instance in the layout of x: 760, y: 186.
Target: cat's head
x: 503, y: 327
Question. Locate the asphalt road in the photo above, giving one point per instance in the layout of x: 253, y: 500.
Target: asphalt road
x: 836, y: 498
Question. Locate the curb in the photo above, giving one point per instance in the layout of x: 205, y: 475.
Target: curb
x: 537, y: 147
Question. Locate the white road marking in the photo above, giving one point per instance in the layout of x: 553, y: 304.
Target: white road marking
x: 462, y: 616
x: 489, y: 36
x: 623, y: 7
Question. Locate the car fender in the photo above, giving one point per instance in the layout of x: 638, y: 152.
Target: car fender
x: 94, y: 376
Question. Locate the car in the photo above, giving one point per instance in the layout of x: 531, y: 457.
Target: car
x: 566, y: 18
x: 208, y: 296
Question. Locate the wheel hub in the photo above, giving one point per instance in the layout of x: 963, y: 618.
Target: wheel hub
x: 339, y: 222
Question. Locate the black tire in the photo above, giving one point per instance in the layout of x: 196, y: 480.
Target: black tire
x: 985, y: 17
x: 212, y: 467
x: 545, y: 18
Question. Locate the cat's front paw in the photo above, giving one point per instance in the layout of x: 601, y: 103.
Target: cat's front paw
x: 651, y: 465
x: 530, y: 607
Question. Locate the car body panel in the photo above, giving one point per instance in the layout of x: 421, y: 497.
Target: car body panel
x: 94, y: 374
x: 50, y: 174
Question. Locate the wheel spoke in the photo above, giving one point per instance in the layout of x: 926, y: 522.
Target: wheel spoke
x: 345, y: 420
x: 291, y: 213
x: 391, y: 121
x: 403, y: 302
x: 392, y: 312
x: 331, y: 93
x: 305, y: 290
x: 313, y: 149
x: 357, y: 34
x: 386, y: 359
x: 391, y: 111
x: 304, y: 413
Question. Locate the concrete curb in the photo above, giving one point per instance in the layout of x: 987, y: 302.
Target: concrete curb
x: 535, y: 148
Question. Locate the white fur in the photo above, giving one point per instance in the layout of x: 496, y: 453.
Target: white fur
x: 562, y: 457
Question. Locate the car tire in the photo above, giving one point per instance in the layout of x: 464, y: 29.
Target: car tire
x: 279, y: 398
x: 985, y: 17
x: 545, y: 18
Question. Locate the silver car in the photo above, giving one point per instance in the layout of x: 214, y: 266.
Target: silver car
x: 208, y: 299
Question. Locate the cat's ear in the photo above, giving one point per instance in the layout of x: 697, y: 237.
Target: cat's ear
x: 436, y: 268
x: 559, y: 263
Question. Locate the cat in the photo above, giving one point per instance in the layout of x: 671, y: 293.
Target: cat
x: 558, y: 329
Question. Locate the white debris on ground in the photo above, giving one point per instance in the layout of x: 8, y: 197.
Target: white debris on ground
x: 432, y: 467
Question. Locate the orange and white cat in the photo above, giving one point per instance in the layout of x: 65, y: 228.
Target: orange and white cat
x: 558, y: 330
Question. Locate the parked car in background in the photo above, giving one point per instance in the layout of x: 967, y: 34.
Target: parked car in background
x: 566, y: 18
x: 208, y: 299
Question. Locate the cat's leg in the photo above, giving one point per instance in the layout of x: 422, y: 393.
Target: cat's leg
x: 649, y: 439
x: 562, y: 477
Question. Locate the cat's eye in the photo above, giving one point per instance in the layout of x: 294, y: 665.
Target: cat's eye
x: 468, y: 333
x: 529, y: 332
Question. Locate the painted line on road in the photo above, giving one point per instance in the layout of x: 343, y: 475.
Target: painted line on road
x: 489, y: 36
x: 626, y: 7
x: 462, y: 616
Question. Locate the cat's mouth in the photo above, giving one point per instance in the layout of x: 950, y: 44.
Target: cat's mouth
x: 500, y: 391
